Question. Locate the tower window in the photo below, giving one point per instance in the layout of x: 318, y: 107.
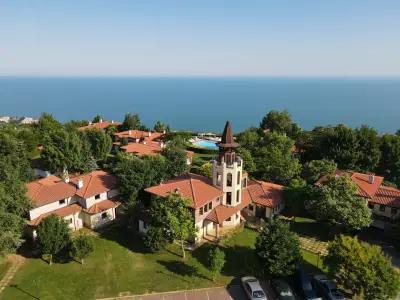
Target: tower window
x: 237, y: 196
x: 229, y: 179
x: 229, y: 198
x: 238, y: 177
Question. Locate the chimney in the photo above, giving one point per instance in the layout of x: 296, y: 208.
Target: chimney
x: 130, y: 132
x: 144, y: 142
x: 162, y: 144
x: 101, y: 120
x: 66, y: 179
x: 79, y: 185
x: 112, y: 121
x: 177, y: 191
x: 149, y: 133
x: 371, y: 178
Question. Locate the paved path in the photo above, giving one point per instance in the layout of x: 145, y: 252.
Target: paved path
x: 16, y: 263
x: 233, y: 292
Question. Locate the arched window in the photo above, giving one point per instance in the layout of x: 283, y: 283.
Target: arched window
x: 229, y: 179
x: 238, y: 177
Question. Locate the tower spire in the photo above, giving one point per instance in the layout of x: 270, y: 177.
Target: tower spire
x: 227, y: 140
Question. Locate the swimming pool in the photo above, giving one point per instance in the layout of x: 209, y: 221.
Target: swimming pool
x: 206, y: 144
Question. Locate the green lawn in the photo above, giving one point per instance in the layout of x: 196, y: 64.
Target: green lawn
x: 121, y: 264
x: 310, y: 228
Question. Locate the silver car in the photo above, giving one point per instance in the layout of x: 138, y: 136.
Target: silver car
x: 253, y: 288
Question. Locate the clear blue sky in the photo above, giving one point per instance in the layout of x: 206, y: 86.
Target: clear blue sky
x: 206, y: 37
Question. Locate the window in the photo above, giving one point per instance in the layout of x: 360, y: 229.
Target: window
x: 218, y: 199
x: 70, y: 221
x: 97, y: 197
x: 218, y: 179
x: 206, y: 208
x: 228, y: 219
x: 237, y: 216
x: 210, y: 205
x: 238, y: 177
x: 382, y: 207
x: 229, y: 179
x: 251, y: 207
x: 61, y: 202
x: 237, y: 196
x: 229, y: 198
x: 104, y: 215
x: 201, y: 211
x: 393, y: 211
x: 371, y: 205
x: 244, y: 183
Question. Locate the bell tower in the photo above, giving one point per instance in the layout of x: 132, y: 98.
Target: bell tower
x: 227, y: 169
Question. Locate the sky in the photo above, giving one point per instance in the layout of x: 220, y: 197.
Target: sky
x: 200, y: 38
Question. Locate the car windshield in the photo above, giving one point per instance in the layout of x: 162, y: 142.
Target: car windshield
x: 258, y: 294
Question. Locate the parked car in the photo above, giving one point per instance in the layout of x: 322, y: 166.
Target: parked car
x: 253, y: 288
x: 304, y: 286
x: 282, y: 290
x: 327, y: 288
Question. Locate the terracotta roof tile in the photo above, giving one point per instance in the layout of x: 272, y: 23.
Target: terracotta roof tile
x: 94, y: 183
x: 99, y: 125
x: 387, y: 196
x: 140, y: 149
x: 61, y: 212
x: 222, y: 212
x: 366, y: 189
x: 48, y: 190
x: 197, y: 188
x: 101, y: 206
x: 263, y: 193
x: 139, y: 134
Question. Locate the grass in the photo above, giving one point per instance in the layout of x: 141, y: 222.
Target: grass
x: 310, y: 228
x: 3, y: 266
x: 120, y: 264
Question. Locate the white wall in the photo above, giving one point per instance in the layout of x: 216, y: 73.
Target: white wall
x: 36, y: 212
x: 386, y: 213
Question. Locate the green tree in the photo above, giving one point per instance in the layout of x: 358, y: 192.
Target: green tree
x: 313, y: 170
x: 389, y: 165
x: 64, y: 149
x: 131, y: 122
x: 172, y: 220
x: 81, y: 247
x: 248, y: 160
x: 336, y: 201
x: 250, y: 139
x: 97, y: 119
x: 161, y: 127
x: 278, y: 249
x: 216, y: 260
x: 75, y: 124
x: 176, y: 160
x: 295, y: 196
x: 46, y: 125
x: 280, y: 122
x: 206, y: 169
x: 275, y: 161
x: 11, y: 231
x: 368, y: 145
x: 362, y: 268
x: 53, y: 236
x: 100, y: 143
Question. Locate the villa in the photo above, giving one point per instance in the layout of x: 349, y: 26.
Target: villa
x: 221, y: 203
x: 87, y: 200
x: 384, y: 201
x: 103, y: 125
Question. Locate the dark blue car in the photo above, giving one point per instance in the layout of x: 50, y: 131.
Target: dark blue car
x: 304, y: 286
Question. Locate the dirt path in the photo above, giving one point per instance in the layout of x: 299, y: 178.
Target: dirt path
x: 16, y: 262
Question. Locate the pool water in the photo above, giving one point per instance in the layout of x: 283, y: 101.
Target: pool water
x: 206, y: 144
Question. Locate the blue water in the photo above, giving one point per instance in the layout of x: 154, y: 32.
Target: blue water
x: 205, y: 104
x: 206, y: 144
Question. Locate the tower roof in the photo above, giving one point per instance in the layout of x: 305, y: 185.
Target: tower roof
x: 227, y: 140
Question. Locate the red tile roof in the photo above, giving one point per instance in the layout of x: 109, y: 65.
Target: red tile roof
x: 387, y: 196
x: 222, y: 212
x: 94, y: 183
x: 61, y: 212
x: 366, y: 188
x: 263, y: 193
x: 139, y: 134
x: 101, y: 206
x: 48, y: 190
x: 100, y: 125
x: 197, y: 188
x: 140, y: 149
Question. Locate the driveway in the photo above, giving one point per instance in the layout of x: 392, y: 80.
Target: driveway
x: 234, y: 292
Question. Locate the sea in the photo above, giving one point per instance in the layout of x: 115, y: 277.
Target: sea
x: 205, y: 103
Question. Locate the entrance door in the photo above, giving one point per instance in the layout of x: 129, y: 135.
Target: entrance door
x: 260, y: 211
